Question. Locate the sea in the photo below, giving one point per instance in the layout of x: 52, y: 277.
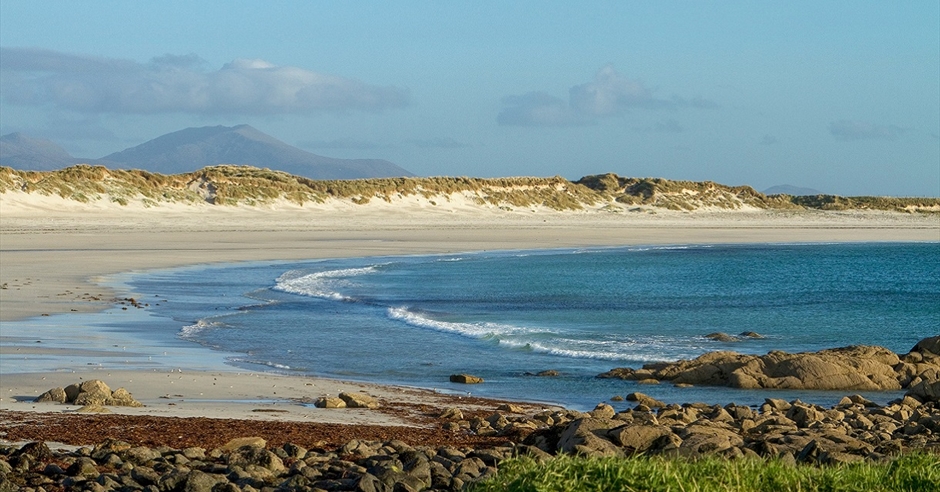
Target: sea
x: 506, y: 316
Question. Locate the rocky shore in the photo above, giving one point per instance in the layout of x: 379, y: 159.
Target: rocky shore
x: 855, y: 368
x: 453, y: 448
x: 853, y: 430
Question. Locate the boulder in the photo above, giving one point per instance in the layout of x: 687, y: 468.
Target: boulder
x: 867, y: 368
x: 96, y: 397
x: 929, y: 345
x: 927, y: 389
x: 643, y: 399
x: 359, y: 400
x: 603, y: 411
x: 701, y: 440
x: 465, y: 379
x: 93, y: 408
x: 56, y: 395
x: 451, y: 413
x: 638, y: 438
x: 122, y: 398
x: 721, y: 337
x: 329, y: 402
x: 588, y: 437
x: 94, y: 385
x: 238, y: 442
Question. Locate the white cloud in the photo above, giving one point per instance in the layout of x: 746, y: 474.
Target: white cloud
x: 173, y: 83
x: 851, y: 130
x: 608, y: 94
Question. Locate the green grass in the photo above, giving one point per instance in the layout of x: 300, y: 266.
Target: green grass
x: 909, y: 472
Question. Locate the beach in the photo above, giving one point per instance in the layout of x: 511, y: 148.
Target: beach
x: 56, y: 254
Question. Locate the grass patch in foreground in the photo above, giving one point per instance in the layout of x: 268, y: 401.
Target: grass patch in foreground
x: 909, y: 472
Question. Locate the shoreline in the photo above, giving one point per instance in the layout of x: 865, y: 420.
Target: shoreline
x: 54, y: 261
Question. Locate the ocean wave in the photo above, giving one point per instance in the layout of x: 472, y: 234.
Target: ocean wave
x: 190, y: 331
x: 271, y: 364
x: 320, y: 284
x: 475, y: 330
x: 547, y: 342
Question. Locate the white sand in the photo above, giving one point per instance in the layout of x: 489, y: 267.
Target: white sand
x: 54, y: 252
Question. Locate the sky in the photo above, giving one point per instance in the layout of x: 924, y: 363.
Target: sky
x: 839, y: 96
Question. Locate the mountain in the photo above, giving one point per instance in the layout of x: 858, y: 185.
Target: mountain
x: 791, y: 190
x: 36, y: 154
x: 194, y: 148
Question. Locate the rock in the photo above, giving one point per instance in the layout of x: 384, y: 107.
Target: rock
x: 930, y: 345
x: 56, y: 395
x: 616, y: 398
x: 643, y: 399
x: 588, y: 437
x: 700, y: 440
x: 603, y: 411
x: 198, y: 481
x: 548, y: 373
x: 121, y: 397
x: 451, y: 414
x: 93, y: 398
x: 94, y: 386
x: 246, y: 456
x: 238, y: 442
x: 511, y: 408
x: 638, y: 438
x: 465, y: 379
x: 750, y: 334
x: 72, y: 391
x: 928, y: 389
x: 329, y: 402
x: 721, y: 337
x: 852, y: 368
x: 83, y: 467
x: 359, y: 400
x: 93, y: 408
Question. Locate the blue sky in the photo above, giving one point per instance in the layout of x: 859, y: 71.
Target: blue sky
x: 843, y: 97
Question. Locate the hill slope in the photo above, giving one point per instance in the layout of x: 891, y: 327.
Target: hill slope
x: 244, y: 185
x: 22, y: 152
x: 194, y: 148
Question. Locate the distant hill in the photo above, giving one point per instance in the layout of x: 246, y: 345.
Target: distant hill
x: 791, y: 190
x: 194, y: 148
x: 22, y: 152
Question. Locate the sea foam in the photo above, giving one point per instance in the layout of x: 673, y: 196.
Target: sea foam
x: 324, y: 285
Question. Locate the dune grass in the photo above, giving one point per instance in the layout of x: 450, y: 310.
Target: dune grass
x: 909, y: 472
x: 245, y: 185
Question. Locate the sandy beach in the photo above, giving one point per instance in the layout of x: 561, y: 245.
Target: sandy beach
x: 56, y: 254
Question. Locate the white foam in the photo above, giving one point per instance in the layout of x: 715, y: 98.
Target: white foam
x: 475, y: 330
x: 275, y: 365
x: 190, y: 331
x: 536, y: 340
x: 319, y: 284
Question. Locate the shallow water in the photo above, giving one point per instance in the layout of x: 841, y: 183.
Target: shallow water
x: 505, y: 315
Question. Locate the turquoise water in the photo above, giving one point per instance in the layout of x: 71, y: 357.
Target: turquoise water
x: 506, y: 315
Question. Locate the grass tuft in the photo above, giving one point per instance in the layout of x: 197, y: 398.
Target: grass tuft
x: 909, y: 472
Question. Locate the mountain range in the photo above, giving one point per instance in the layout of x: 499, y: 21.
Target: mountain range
x: 194, y: 148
